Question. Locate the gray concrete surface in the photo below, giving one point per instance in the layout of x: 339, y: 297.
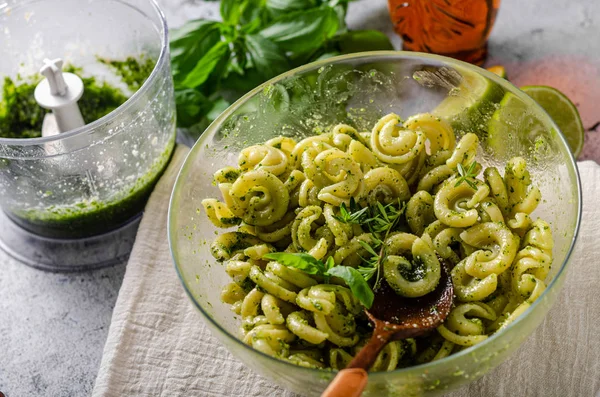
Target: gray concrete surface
x: 53, y: 326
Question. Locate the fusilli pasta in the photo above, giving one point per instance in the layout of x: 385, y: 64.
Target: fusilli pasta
x: 288, y: 196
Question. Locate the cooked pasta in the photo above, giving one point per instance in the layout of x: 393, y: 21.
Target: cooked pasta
x: 307, y: 196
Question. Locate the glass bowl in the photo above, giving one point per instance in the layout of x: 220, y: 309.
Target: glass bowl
x: 358, y: 89
x: 93, y: 179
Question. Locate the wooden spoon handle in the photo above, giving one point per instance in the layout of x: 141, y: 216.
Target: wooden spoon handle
x: 349, y: 382
x: 368, y: 354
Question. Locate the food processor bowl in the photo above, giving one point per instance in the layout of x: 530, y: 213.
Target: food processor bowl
x: 72, y: 200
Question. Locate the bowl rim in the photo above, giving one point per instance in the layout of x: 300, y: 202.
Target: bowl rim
x: 421, y: 368
x: 163, y: 58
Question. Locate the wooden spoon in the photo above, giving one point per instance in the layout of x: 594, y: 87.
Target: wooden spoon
x: 394, y: 317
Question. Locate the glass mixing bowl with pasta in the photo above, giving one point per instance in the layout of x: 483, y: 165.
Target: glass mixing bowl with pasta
x: 314, y: 189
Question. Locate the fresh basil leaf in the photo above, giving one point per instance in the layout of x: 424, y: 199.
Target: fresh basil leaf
x: 205, y: 65
x: 307, y: 263
x: 356, y: 282
x: 333, y: 3
x: 190, y: 31
x: 363, y: 40
x: 254, y: 10
x: 252, y: 26
x: 189, y: 43
x: 191, y: 106
x: 218, y: 107
x: 242, y: 12
x: 329, y: 264
x: 280, y: 7
x: 237, y: 58
x: 212, y: 60
x: 326, y: 55
x: 266, y: 56
x: 302, y: 32
x: 231, y: 10
x: 237, y: 85
x: 341, y: 10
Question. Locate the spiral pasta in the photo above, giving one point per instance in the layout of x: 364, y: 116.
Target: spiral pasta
x: 412, y: 277
x: 419, y: 212
x: 363, y: 156
x: 259, y: 198
x: 219, y: 214
x: 528, y: 272
x: 455, y: 205
x: 393, y: 143
x: 447, y: 241
x: 465, y: 325
x: 313, y: 197
x: 499, y: 247
x: 302, y: 235
x: 265, y: 157
x: 438, y: 132
x: 336, y: 174
x: 385, y: 185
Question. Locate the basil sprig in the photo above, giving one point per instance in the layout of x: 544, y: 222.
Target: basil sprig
x: 214, y: 63
x: 308, y: 264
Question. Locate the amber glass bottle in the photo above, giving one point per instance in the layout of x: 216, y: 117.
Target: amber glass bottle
x: 455, y: 28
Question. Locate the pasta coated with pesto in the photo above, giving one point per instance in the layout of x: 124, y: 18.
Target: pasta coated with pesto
x: 307, y: 196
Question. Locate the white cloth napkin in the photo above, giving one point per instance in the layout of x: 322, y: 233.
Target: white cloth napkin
x: 158, y: 344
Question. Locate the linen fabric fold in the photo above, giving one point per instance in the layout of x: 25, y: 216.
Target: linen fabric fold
x: 158, y: 344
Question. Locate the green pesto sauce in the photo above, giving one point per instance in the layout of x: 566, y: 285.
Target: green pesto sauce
x: 88, y: 218
x: 22, y: 117
x: 132, y: 71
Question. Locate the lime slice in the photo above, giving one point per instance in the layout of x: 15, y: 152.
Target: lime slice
x: 562, y: 111
x: 499, y: 70
x: 470, y: 104
x: 513, y: 128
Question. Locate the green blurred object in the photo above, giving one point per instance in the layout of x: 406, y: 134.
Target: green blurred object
x: 562, y: 111
x: 499, y: 70
x: 470, y: 103
x: 215, y: 63
x: 514, y: 121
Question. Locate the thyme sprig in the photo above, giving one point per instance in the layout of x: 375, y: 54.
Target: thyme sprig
x: 380, y: 220
x: 352, y: 214
x: 467, y: 175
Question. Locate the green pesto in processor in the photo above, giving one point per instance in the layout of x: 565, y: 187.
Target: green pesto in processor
x: 132, y: 71
x: 22, y: 117
x: 93, y: 217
